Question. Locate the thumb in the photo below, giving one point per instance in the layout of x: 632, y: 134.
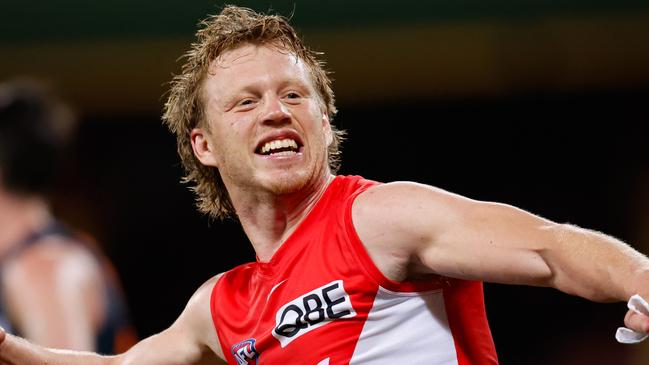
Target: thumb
x: 3, y: 334
x: 637, y: 321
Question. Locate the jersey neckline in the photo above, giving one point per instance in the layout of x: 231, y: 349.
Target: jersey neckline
x: 267, y: 268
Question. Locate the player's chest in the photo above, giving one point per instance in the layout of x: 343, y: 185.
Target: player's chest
x: 298, y: 320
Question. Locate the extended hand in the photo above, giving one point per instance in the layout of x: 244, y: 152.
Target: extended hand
x: 637, y: 321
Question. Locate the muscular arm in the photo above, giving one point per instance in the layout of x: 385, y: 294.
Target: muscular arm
x: 410, y: 228
x: 191, y: 340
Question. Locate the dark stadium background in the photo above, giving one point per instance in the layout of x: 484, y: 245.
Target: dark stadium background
x: 542, y: 105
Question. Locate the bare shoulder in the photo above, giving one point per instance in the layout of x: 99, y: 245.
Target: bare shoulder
x: 199, y: 305
x: 395, y: 220
x: 54, y: 260
x: 196, y: 320
x: 191, y: 339
x: 53, y: 251
x: 405, y: 210
x: 204, y: 292
x: 408, y: 191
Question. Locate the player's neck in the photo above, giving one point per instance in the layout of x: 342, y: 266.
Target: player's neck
x: 269, y: 223
x: 18, y: 217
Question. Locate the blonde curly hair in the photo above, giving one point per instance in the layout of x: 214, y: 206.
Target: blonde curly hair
x: 184, y: 110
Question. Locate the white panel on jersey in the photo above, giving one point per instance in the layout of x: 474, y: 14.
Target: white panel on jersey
x: 406, y: 328
x: 312, y: 310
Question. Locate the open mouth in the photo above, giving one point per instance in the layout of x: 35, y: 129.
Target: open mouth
x: 279, y: 147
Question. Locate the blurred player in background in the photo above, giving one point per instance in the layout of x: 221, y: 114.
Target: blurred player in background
x: 56, y: 289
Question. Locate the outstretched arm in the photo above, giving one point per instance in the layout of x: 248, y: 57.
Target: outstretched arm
x: 190, y: 340
x: 420, y: 229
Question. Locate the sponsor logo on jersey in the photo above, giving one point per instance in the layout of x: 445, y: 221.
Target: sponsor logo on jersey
x: 245, y: 352
x: 312, y: 310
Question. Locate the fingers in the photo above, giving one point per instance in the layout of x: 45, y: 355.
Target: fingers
x: 2, y: 335
x: 637, y: 321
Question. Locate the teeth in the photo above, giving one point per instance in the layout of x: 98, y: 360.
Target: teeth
x: 277, y: 144
x: 284, y: 153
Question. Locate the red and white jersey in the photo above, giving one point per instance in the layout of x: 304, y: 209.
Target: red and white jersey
x: 321, y: 300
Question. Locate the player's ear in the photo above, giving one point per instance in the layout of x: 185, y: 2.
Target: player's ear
x: 202, y: 146
x: 326, y: 127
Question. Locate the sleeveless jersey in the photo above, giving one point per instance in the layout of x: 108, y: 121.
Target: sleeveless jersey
x: 321, y: 300
x: 116, y: 334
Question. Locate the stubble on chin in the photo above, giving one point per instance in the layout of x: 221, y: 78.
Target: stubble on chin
x: 287, y: 184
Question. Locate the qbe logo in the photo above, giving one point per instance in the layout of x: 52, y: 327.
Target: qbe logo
x: 245, y: 352
x: 312, y: 310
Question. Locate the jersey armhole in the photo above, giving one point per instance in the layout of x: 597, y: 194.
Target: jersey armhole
x: 224, y: 347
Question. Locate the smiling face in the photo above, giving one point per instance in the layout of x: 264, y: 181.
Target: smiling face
x: 266, y: 125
